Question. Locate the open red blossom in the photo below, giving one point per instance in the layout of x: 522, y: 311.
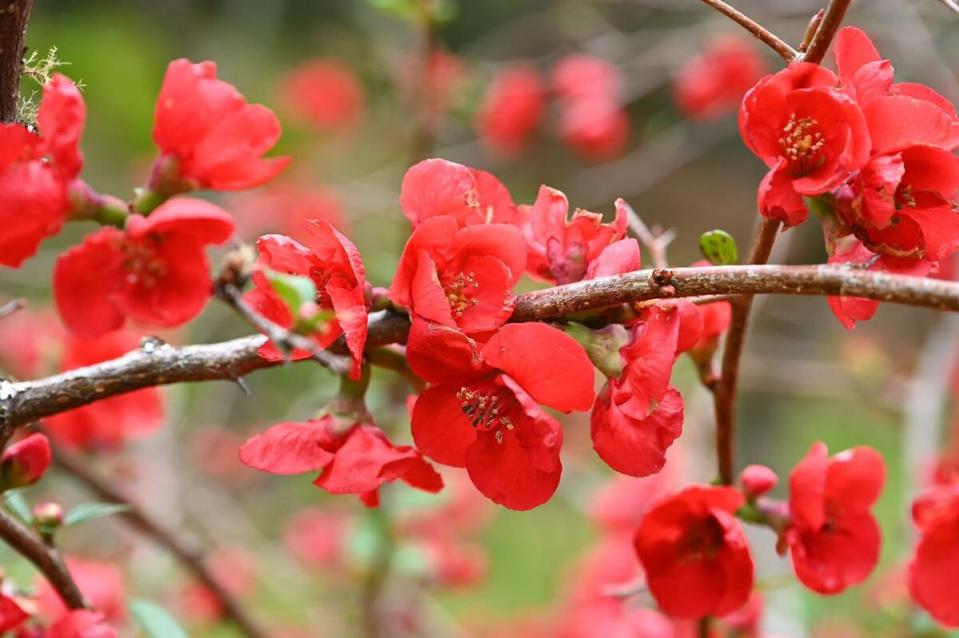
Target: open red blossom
x: 81, y: 623
x: 638, y: 415
x: 809, y: 134
x: 324, y: 93
x: 437, y: 187
x: 154, y: 271
x: 334, y: 264
x: 713, y: 83
x: 561, y: 249
x: 105, y: 424
x: 355, y: 458
x: 460, y: 277
x: 37, y: 170
x: 833, y: 537
x: 482, y: 410
x: 25, y: 462
x: 932, y: 572
x: 901, y: 114
x: 208, y: 135
x: 695, y: 553
x: 511, y: 109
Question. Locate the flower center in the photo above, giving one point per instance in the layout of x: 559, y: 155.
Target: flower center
x: 142, y: 264
x: 459, y: 292
x: 488, y: 408
x: 702, y: 539
x: 802, y: 144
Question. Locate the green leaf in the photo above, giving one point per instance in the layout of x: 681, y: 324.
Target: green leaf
x: 89, y: 511
x: 155, y: 621
x: 719, y: 248
x: 15, y: 502
x: 293, y: 290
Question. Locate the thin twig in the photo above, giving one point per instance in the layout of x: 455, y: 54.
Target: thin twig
x: 951, y: 4
x: 27, y: 401
x: 11, y: 307
x: 189, y: 556
x: 831, y: 21
x: 724, y: 391
x: 45, y: 557
x: 763, y: 34
x: 284, y: 339
x: 657, y: 244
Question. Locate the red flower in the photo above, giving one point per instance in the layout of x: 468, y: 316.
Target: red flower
x: 460, y: 277
x: 105, y: 424
x: 30, y: 338
x: 714, y: 82
x: 155, y: 271
x: 757, y: 480
x: 562, y: 249
x: 809, y: 134
x: 355, y: 459
x: 592, y: 121
x: 101, y: 583
x: 13, y: 611
x: 37, y: 170
x: 208, y: 135
x: 81, y: 623
x: 482, y: 413
x: 933, y: 569
x: 25, y: 462
x: 832, y: 535
x: 437, y: 187
x: 695, y: 553
x: 286, y: 209
x: 336, y: 268
x: 512, y: 109
x: 318, y: 537
x: 638, y: 415
x: 324, y: 93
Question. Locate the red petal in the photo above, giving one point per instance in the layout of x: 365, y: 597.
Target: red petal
x: 830, y: 561
x: 855, y: 477
x: 635, y: 446
x: 427, y: 297
x: 549, y: 365
x: 898, y: 122
x: 60, y: 119
x: 349, y: 306
x: 618, y: 258
x: 807, y: 488
x: 185, y: 218
x: 289, y: 448
x: 435, y: 235
x: 650, y: 357
x: 506, y: 474
x: 438, y: 354
x: 490, y: 300
x: 853, y: 49
x: 778, y: 199
x: 85, y: 279
x: 436, y: 187
x: 440, y: 428
x: 932, y: 572
x: 502, y: 241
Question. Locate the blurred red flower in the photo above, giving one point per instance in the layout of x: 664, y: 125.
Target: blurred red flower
x: 932, y: 572
x: 102, y: 584
x: 512, y: 109
x: 714, y: 82
x: 81, y: 623
x: 592, y: 119
x: 287, y: 209
x: 324, y: 93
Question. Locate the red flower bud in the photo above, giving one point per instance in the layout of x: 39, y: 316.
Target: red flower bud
x: 25, y: 462
x: 48, y: 515
x: 757, y: 480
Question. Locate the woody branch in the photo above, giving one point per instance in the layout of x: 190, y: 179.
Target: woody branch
x: 153, y: 364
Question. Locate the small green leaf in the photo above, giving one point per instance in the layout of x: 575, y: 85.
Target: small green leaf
x: 293, y: 290
x: 89, y: 511
x: 155, y: 621
x: 15, y: 502
x: 719, y: 248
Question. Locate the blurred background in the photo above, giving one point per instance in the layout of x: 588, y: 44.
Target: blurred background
x: 367, y: 88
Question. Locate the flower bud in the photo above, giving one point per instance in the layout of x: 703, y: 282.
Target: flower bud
x: 757, y: 480
x: 48, y: 514
x: 24, y: 462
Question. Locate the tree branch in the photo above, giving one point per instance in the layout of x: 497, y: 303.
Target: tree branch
x: 190, y: 557
x: 763, y: 34
x: 14, y: 15
x: 46, y: 558
x: 150, y: 365
x: 831, y: 21
x: 724, y: 390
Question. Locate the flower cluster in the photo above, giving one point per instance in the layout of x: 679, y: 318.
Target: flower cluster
x: 872, y: 157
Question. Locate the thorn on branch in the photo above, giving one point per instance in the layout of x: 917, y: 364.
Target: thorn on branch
x: 811, y: 30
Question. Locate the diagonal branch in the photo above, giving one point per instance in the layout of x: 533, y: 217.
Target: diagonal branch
x: 46, y: 558
x: 831, y: 21
x: 763, y: 34
x: 190, y: 557
x: 26, y: 401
